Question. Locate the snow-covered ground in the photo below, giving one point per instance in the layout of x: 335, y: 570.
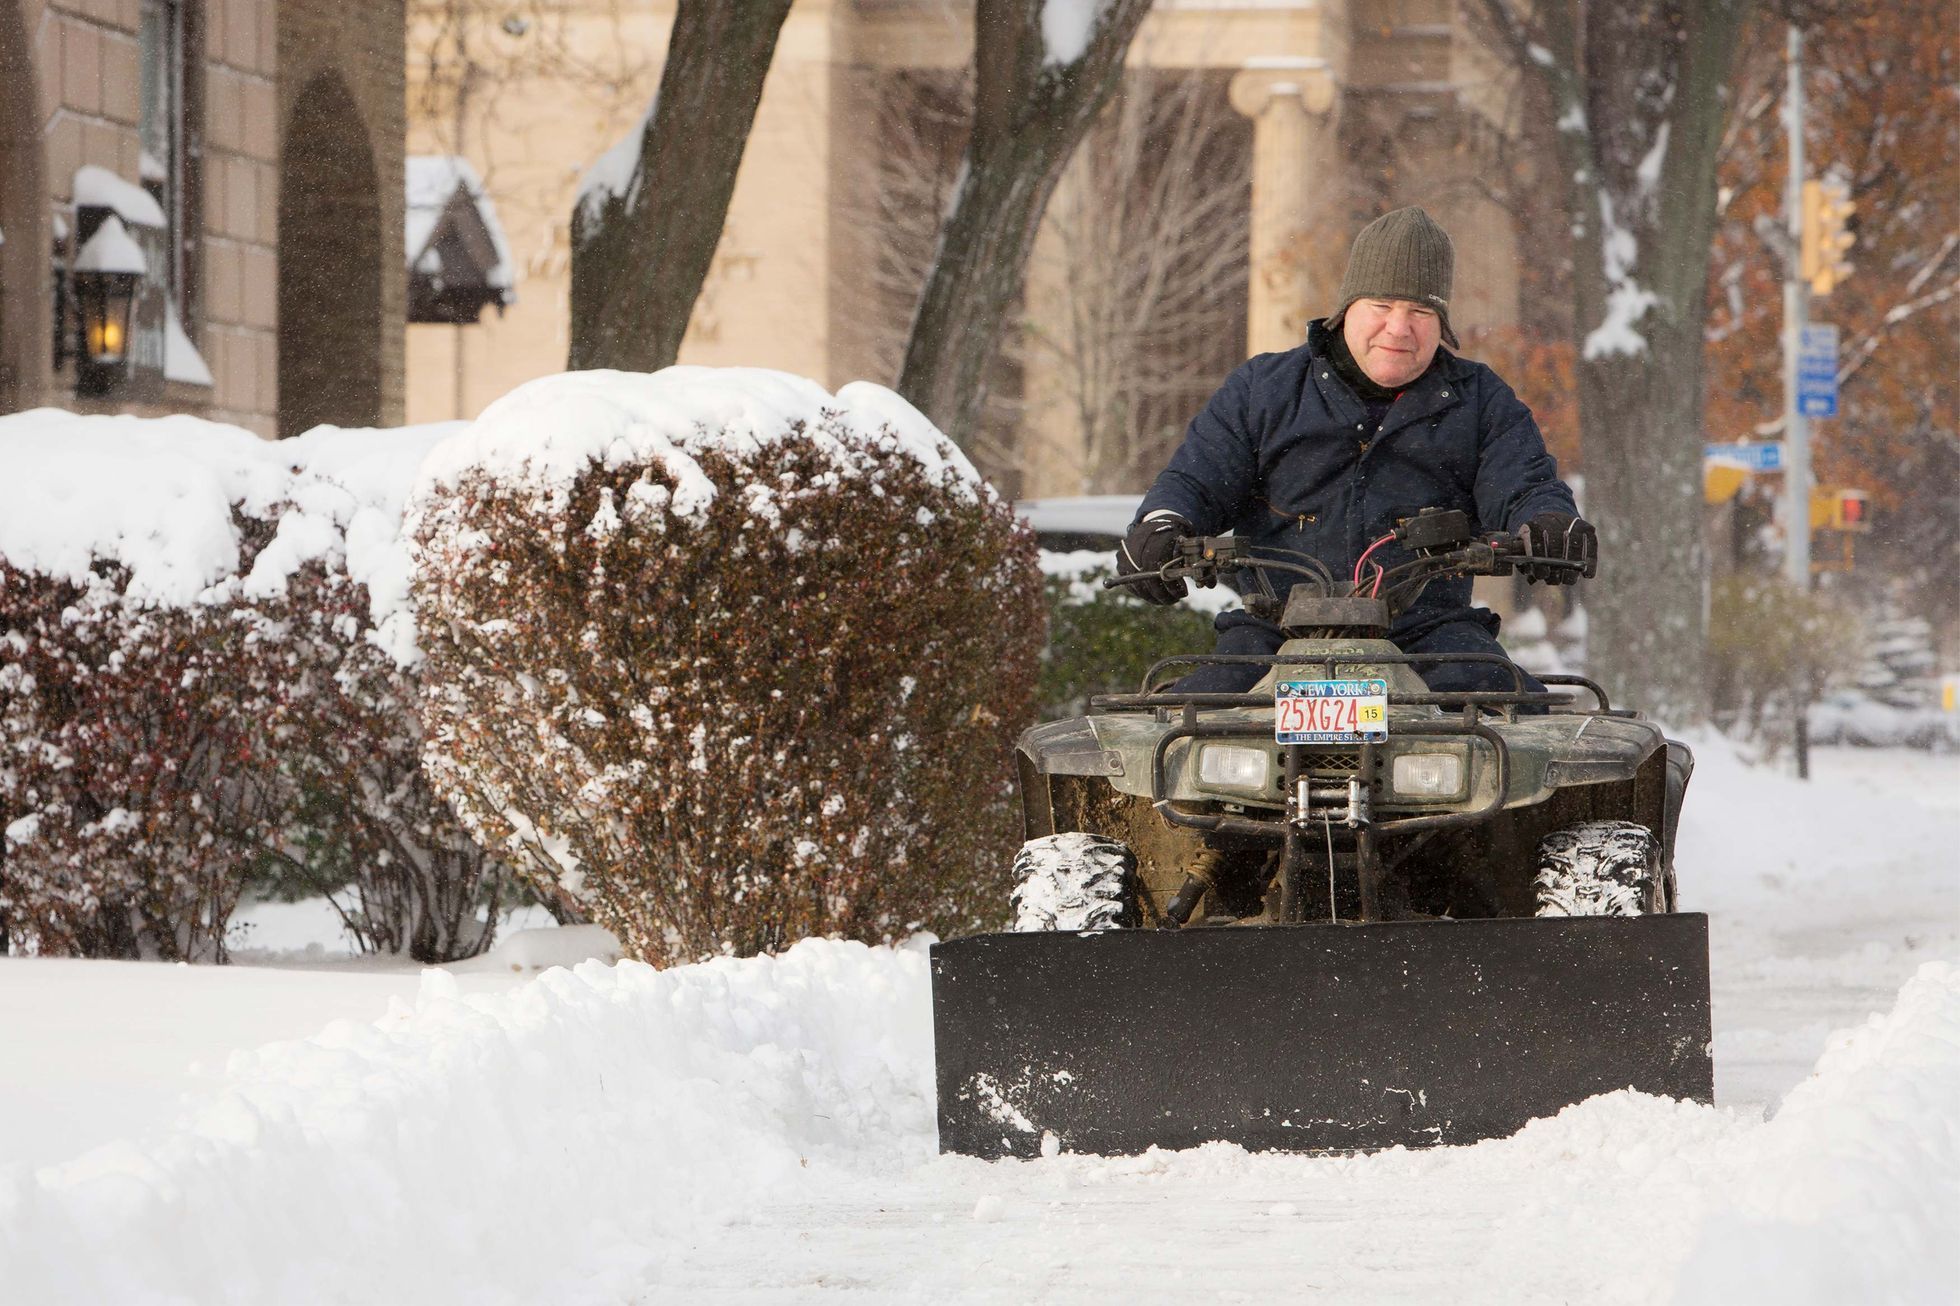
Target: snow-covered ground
x: 761, y: 1131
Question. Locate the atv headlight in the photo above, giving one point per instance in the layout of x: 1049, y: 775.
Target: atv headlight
x: 1232, y: 767
x: 1427, y: 775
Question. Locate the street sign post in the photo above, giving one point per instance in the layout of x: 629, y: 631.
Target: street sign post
x: 1817, y: 363
x: 1757, y: 455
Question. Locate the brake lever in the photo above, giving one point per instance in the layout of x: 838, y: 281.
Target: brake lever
x: 1510, y: 553
x: 1204, y: 573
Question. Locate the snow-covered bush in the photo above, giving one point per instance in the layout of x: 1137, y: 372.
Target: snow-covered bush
x: 1901, y: 665
x: 351, y: 817
x: 207, y: 664
x: 728, y: 660
x: 1772, y: 650
x: 129, y: 750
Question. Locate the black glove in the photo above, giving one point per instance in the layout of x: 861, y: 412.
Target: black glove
x: 1149, y: 545
x: 1559, y: 536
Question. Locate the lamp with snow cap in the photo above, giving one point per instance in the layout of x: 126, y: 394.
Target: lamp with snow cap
x: 107, y: 268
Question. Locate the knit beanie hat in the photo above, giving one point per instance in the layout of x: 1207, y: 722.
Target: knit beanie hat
x: 1401, y: 255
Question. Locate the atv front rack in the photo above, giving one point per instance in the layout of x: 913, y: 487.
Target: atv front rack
x: 1357, y: 796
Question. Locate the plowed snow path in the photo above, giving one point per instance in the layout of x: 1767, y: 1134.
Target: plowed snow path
x: 761, y: 1131
x: 1825, y: 898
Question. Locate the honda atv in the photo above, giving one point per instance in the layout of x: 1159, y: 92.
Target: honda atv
x: 1341, y: 911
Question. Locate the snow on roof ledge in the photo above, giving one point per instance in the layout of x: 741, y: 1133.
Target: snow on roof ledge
x: 97, y: 187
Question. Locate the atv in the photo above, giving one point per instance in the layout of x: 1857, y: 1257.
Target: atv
x: 1341, y: 911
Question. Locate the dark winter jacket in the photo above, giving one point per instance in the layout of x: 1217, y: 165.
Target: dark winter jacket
x: 1283, y: 455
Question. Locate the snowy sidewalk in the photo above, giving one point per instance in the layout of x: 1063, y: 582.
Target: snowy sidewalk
x: 761, y: 1131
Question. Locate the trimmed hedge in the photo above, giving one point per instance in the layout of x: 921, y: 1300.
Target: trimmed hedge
x: 720, y: 724
x: 128, y: 751
x: 1102, y: 641
x: 198, y: 701
x: 355, y: 819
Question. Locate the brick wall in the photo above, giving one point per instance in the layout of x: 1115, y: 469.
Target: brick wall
x: 24, y: 280
x: 241, y: 204
x: 249, y: 61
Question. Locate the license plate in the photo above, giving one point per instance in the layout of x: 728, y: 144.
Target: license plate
x: 1330, y: 711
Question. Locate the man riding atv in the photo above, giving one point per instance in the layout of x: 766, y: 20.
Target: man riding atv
x: 1322, y: 450
x: 1328, y: 892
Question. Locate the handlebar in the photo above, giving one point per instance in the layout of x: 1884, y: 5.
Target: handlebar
x: 1203, y: 560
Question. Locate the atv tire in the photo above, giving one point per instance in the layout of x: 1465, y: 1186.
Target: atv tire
x: 1075, y: 881
x: 1601, y: 868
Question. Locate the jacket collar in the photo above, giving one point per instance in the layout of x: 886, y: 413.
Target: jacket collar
x: 1436, y: 389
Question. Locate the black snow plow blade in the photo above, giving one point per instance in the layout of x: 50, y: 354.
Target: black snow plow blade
x: 1311, y: 1037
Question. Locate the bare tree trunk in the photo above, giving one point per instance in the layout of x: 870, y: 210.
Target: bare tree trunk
x: 1031, y: 106
x: 1638, y: 89
x: 1134, y: 305
x: 640, y: 252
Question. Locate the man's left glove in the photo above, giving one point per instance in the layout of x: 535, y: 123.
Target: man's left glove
x: 1559, y: 537
x: 1150, y: 544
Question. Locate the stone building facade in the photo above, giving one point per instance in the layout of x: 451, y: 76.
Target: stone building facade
x: 1326, y: 112
x: 254, y: 149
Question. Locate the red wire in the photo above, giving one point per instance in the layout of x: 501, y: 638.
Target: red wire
x: 1364, y: 557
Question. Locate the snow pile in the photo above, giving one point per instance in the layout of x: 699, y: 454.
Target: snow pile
x: 548, y: 1144
x: 647, y: 1128
x: 1066, y: 26
x: 543, y: 434
x: 154, y: 494
x: 158, y: 496
x: 349, y: 492
x: 751, y: 1130
x: 1852, y: 1192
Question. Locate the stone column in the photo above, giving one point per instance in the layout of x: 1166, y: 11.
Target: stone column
x: 1294, y: 184
x: 1053, y: 448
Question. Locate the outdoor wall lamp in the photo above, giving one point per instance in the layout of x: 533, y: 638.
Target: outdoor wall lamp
x: 107, y: 268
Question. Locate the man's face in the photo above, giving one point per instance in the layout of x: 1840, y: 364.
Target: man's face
x: 1392, y: 339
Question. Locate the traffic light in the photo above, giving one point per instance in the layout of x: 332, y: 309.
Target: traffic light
x: 1851, y: 510
x: 1836, y: 509
x: 1827, y: 207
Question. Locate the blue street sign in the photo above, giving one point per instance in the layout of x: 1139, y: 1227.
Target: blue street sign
x: 1760, y: 456
x: 1817, y: 362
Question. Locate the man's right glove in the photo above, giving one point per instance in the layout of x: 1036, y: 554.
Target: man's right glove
x: 1559, y: 537
x: 1150, y: 544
